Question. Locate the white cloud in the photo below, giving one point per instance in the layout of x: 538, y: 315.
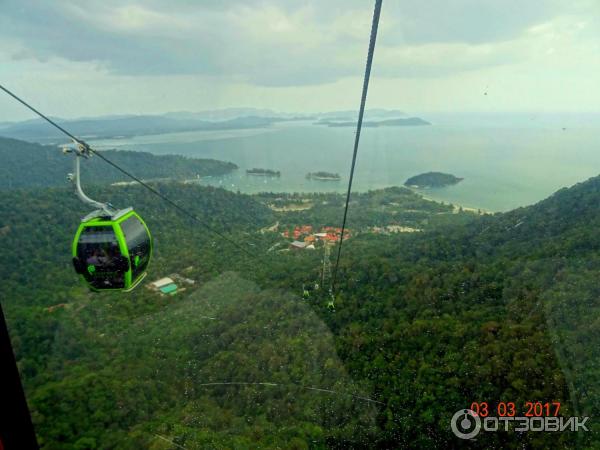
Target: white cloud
x: 155, y: 56
x: 128, y: 19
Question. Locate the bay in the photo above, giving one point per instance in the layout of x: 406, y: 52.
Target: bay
x: 506, y: 161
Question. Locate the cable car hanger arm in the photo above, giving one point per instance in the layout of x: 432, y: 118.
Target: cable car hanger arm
x: 83, y: 151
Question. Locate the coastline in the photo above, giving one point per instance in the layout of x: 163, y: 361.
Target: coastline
x: 457, y: 207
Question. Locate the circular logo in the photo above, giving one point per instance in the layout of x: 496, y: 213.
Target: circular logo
x: 465, y: 424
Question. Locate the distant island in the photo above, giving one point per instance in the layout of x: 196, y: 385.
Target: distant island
x: 324, y: 176
x: 128, y: 126
x: 263, y: 172
x: 408, y: 122
x: 432, y: 180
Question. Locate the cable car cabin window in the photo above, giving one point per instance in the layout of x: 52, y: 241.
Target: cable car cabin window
x: 99, y: 250
x: 138, y: 244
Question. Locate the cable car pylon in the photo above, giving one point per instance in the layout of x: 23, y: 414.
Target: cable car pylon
x: 326, y: 274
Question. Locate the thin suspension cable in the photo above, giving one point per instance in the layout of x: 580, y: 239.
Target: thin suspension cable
x: 47, y: 119
x: 363, y: 100
x: 287, y: 385
x: 130, y: 175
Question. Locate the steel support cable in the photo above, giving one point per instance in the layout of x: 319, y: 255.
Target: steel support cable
x: 130, y: 175
x: 363, y: 100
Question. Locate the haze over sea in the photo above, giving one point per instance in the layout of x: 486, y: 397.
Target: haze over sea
x: 506, y: 160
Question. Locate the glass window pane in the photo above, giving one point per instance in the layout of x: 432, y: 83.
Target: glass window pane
x: 138, y: 244
x: 98, y: 249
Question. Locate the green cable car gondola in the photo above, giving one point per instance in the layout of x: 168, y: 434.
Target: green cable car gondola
x: 112, y: 252
x: 111, y: 249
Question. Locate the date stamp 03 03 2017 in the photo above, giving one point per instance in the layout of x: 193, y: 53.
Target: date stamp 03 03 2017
x: 508, y: 416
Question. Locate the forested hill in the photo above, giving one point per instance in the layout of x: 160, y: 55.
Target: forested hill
x: 494, y: 308
x: 24, y: 164
x: 564, y: 225
x: 506, y: 307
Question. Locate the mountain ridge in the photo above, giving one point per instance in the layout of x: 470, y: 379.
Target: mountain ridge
x: 127, y: 125
x: 25, y: 164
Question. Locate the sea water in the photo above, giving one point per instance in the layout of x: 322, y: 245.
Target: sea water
x: 506, y: 161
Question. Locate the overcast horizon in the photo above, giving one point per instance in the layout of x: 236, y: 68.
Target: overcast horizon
x: 119, y: 58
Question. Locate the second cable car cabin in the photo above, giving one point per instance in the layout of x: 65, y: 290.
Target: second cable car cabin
x: 112, y: 252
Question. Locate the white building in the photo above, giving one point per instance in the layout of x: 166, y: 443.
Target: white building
x: 161, y: 283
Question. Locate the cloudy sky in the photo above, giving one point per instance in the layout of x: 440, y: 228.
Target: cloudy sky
x: 95, y: 57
